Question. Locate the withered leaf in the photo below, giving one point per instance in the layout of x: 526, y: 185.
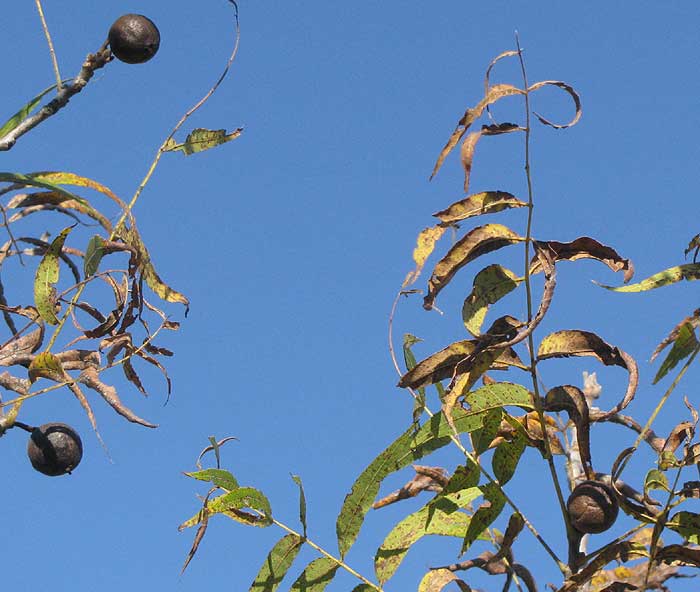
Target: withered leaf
x: 442, y: 364
x: 672, y: 275
x: 570, y: 399
x: 692, y: 320
x: 52, y: 199
x: 679, y: 553
x: 19, y: 349
x: 493, y: 93
x: 466, y: 152
x: 487, y: 202
x: 477, y: 242
x: 566, y: 88
x: 584, y: 343
x: 585, y: 248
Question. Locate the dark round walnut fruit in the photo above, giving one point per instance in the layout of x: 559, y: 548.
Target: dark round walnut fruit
x: 134, y: 39
x: 592, y: 507
x: 54, y: 449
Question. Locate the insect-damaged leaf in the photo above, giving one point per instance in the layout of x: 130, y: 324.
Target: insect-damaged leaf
x: 425, y: 244
x: 201, y: 139
x: 45, y: 278
x: 584, y: 248
x: 133, y: 239
x: 506, y: 457
x: 440, y: 516
x: 490, y: 285
x: 217, y: 477
x: 672, y: 275
x: 277, y: 564
x: 436, y: 580
x: 583, y: 343
x: 46, y: 365
x: 493, y: 93
x: 407, y: 448
x: 687, y: 524
x: 685, y: 343
x: 488, y: 511
x: 316, y: 576
x: 479, y: 241
x: 443, y: 364
x: 487, y: 202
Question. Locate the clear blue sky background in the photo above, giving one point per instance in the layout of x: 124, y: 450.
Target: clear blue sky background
x: 292, y: 241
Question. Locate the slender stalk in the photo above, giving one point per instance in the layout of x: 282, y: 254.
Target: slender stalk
x: 528, y: 290
x: 54, y: 61
x: 325, y: 553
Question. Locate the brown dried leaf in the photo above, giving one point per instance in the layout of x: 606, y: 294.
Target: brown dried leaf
x: 487, y: 202
x: 425, y: 479
x: 583, y: 343
x: 679, y: 554
x: 53, y: 199
x: 572, y: 93
x: 442, y: 364
x: 678, y: 435
x: 585, y: 248
x: 132, y: 376
x: 19, y: 350
x: 197, y: 539
x: 493, y: 93
x: 90, y: 378
x: 477, y: 242
x: 570, y: 399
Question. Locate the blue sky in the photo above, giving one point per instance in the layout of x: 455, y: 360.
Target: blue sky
x: 292, y: 241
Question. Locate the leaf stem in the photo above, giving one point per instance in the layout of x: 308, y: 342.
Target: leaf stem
x: 325, y: 553
x: 528, y: 290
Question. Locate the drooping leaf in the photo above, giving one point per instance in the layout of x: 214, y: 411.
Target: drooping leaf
x: 316, y: 576
x: 425, y: 244
x: 217, y: 477
x: 681, y: 554
x: 487, y: 202
x: 409, y: 447
x: 426, y: 479
x: 486, y: 514
x: 199, y: 535
x: 583, y: 343
x: 19, y: 349
x: 571, y: 399
x: 165, y: 292
x: 693, y: 320
x: 493, y: 93
x: 490, y: 285
x: 43, y: 200
x: 302, y: 502
x: 46, y: 277
x: 693, y: 245
x: 201, y: 139
x: 277, y: 563
x: 570, y: 91
x: 436, y: 580
x: 442, y: 364
x: 672, y: 275
x: 585, y: 248
x: 685, y: 343
x: 477, y: 242
x: 439, y: 517
x: 24, y: 112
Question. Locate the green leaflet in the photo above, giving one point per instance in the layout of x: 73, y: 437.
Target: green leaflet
x: 686, y: 524
x: 18, y: 117
x: 234, y: 505
x: 316, y: 576
x: 505, y: 459
x: 438, y: 517
x: 407, y: 448
x: 302, y: 502
x: 45, y: 278
x: 217, y: 477
x: 38, y: 180
x: 485, y: 515
x: 683, y: 346
x: 201, y: 139
x: 490, y: 285
x: 46, y: 365
x: 277, y: 564
x: 672, y: 275
x: 498, y: 395
x: 93, y: 255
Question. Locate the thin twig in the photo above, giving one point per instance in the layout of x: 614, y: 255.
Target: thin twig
x: 54, y: 61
